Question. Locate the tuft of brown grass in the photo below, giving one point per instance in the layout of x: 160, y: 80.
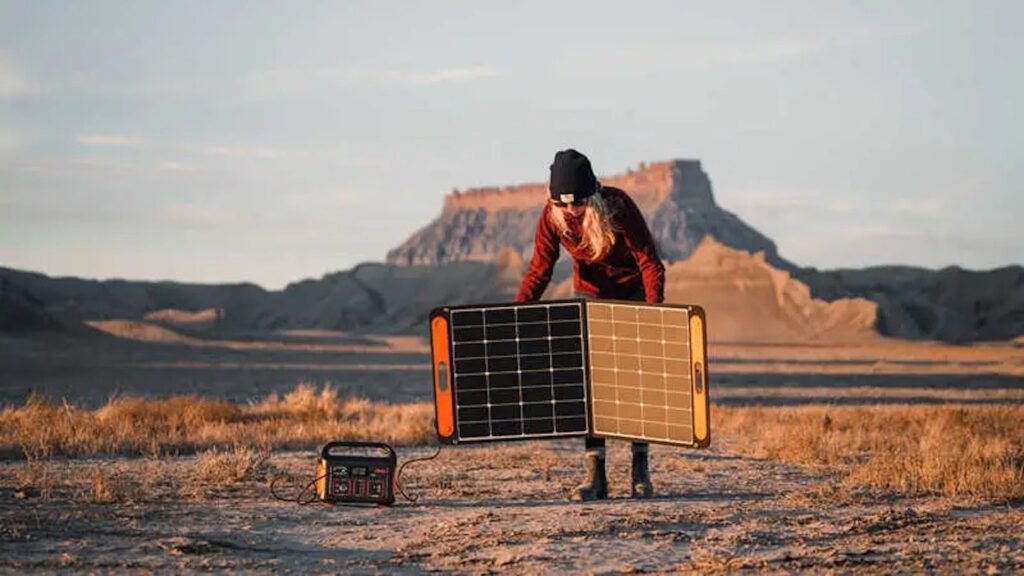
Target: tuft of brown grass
x: 302, y: 418
x: 973, y: 451
x: 226, y: 467
x: 110, y: 485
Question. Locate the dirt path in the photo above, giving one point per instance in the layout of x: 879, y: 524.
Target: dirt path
x: 503, y: 508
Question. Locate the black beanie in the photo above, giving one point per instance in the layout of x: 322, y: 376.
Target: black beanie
x: 572, y: 179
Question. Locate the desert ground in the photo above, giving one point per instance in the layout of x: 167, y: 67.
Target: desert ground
x: 826, y: 457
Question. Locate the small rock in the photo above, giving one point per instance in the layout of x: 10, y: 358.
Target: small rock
x: 26, y: 492
x: 505, y: 559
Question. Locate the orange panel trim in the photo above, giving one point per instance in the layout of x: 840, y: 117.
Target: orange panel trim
x: 442, y: 377
x: 321, y: 479
x: 698, y: 365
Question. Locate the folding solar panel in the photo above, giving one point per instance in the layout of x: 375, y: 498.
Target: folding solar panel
x: 577, y: 367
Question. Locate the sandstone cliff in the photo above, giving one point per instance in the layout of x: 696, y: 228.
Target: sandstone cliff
x: 749, y: 300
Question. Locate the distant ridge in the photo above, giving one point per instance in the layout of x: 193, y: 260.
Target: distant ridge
x: 951, y: 304
x: 477, y: 249
x: 738, y: 289
x: 748, y: 299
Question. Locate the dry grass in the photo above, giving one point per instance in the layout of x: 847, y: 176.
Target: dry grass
x: 212, y: 473
x: 110, y: 484
x: 974, y: 451
x: 186, y: 424
x: 240, y: 464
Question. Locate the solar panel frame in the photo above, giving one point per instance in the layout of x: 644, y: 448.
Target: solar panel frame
x: 447, y: 407
x: 458, y: 423
x: 642, y: 392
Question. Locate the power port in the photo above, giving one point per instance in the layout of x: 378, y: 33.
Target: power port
x: 698, y: 372
x: 442, y: 376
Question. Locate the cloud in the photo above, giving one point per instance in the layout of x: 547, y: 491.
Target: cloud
x: 301, y: 79
x: 190, y: 215
x: 786, y: 203
x: 171, y: 166
x: 121, y: 140
x: 13, y: 82
x: 917, y: 207
x: 245, y: 152
x: 98, y: 164
x: 452, y: 75
x: 9, y: 139
x: 803, y: 206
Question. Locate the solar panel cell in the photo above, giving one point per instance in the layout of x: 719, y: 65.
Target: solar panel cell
x: 527, y: 331
x: 574, y: 376
x: 566, y: 360
x: 537, y: 410
x: 501, y: 332
x: 564, y: 312
x: 500, y: 316
x: 465, y: 383
x: 506, y: 428
x: 572, y: 344
x: 467, y: 318
x: 470, y: 398
x: 535, y: 362
x: 539, y: 346
x: 503, y: 364
x: 505, y: 396
x: 572, y: 426
x: 469, y: 334
x: 501, y: 348
x: 470, y: 350
x: 570, y: 393
x: 531, y: 314
x: 540, y: 427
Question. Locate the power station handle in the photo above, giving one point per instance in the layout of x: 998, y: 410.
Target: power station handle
x: 326, y: 452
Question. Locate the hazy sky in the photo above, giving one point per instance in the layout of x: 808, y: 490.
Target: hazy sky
x: 216, y: 141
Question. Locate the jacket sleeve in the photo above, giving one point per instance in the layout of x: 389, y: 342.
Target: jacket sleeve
x: 639, y: 241
x: 545, y: 254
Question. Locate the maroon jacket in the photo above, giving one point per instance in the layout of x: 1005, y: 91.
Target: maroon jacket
x: 632, y: 264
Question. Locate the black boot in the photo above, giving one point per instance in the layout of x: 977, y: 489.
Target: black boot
x: 596, y: 486
x: 641, y: 485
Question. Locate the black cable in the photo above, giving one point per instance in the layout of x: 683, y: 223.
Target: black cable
x: 298, y: 497
x: 398, y: 476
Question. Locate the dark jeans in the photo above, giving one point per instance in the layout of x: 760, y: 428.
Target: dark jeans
x: 598, y: 443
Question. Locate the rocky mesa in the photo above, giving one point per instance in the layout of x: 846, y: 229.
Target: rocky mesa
x: 676, y: 198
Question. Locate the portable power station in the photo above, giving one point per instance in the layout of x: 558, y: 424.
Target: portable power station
x: 356, y: 472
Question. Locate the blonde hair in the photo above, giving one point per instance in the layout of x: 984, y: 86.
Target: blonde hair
x: 598, y: 236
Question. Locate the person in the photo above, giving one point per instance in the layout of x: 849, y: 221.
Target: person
x: 614, y: 256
